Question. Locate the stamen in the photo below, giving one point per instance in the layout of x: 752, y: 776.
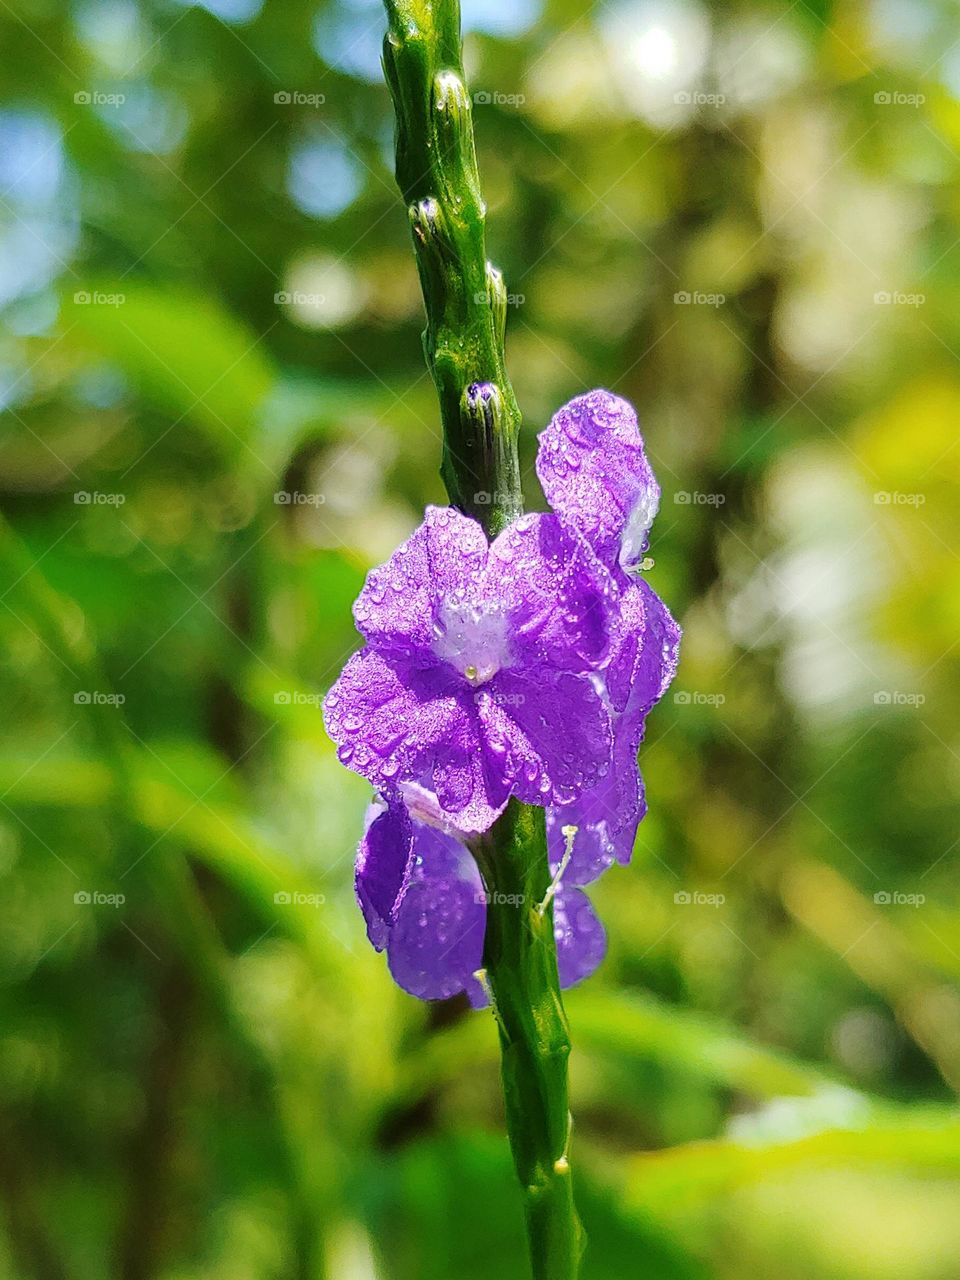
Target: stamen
x: 569, y: 834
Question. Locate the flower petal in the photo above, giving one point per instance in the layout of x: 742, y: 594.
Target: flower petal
x: 581, y: 938
x: 556, y: 594
x: 645, y: 649
x: 657, y: 659
x: 606, y: 815
x: 398, y: 606
x: 395, y: 723
x: 470, y: 789
x: 596, y: 476
x: 384, y: 863
x: 436, y: 945
x: 548, y: 734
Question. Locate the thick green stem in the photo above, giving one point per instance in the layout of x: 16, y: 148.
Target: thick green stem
x: 520, y: 958
x: 466, y: 301
x: 464, y: 295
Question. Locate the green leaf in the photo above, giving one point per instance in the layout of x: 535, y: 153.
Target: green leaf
x: 664, y: 1181
x: 184, y: 351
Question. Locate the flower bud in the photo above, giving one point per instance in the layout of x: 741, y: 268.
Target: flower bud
x: 427, y: 222
x: 455, y: 147
x: 482, y: 411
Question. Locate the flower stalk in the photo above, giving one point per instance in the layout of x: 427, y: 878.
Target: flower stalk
x: 464, y: 295
x: 521, y: 963
x: 465, y: 302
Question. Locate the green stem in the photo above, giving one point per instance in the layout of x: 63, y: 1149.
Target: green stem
x: 465, y: 301
x: 520, y: 958
x: 464, y: 295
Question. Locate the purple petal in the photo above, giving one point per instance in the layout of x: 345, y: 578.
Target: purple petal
x: 394, y: 723
x: 581, y: 938
x: 606, y: 815
x: 469, y: 786
x: 645, y: 649
x: 596, y: 476
x: 384, y: 863
x: 548, y: 733
x: 554, y: 591
x: 399, y: 604
x: 436, y: 945
x: 424, y: 808
x: 656, y: 660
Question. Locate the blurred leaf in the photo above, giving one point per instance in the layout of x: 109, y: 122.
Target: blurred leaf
x: 185, y: 352
x: 667, y: 1181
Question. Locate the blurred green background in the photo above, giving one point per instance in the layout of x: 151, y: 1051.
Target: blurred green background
x: 744, y: 217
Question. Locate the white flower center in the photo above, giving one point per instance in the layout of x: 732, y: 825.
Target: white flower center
x: 472, y: 638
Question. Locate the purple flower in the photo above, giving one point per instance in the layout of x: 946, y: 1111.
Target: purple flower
x: 523, y: 667
x: 434, y: 940
x: 475, y: 679
x: 595, y: 474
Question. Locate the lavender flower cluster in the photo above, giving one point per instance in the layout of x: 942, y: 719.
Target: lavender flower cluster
x: 523, y: 667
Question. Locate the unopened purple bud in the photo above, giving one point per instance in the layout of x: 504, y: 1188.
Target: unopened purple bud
x: 483, y: 408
